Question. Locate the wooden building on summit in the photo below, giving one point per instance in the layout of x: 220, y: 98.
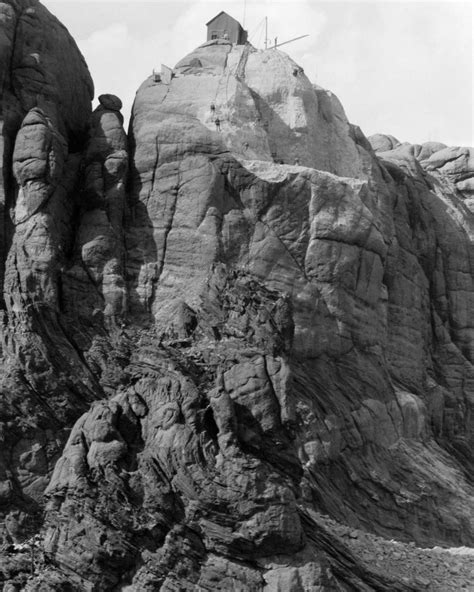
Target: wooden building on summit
x: 223, y: 26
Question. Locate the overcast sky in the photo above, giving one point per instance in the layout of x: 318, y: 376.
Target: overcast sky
x: 399, y: 67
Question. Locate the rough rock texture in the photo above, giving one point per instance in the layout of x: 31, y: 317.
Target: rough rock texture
x: 452, y: 165
x: 45, y: 385
x: 252, y: 328
x: 44, y: 114
x: 99, y: 244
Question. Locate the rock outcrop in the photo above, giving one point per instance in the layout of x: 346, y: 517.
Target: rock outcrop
x: 99, y: 250
x: 237, y: 345
x: 451, y: 165
x: 44, y: 115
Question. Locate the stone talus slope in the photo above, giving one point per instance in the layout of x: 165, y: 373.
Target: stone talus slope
x: 267, y: 341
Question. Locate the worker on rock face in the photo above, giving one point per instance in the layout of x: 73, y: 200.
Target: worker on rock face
x: 213, y: 108
x: 218, y: 124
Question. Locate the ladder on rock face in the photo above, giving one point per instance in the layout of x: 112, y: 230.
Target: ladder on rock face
x: 240, y: 70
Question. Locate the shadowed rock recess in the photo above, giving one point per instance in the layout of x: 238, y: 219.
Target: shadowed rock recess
x: 235, y: 356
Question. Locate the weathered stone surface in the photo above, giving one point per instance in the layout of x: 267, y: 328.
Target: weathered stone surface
x: 457, y: 164
x: 206, y: 351
x: 97, y: 274
x: 111, y: 102
x: 33, y: 76
x: 44, y: 108
x: 383, y: 142
x: 266, y: 107
x: 452, y: 165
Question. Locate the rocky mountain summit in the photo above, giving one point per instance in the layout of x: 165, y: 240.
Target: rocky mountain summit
x: 237, y: 342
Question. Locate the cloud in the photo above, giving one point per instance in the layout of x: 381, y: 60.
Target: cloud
x: 107, y: 40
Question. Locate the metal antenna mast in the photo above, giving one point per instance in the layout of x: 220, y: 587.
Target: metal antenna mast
x: 276, y: 44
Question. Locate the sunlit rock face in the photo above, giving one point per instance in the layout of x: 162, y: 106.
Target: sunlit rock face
x: 238, y: 319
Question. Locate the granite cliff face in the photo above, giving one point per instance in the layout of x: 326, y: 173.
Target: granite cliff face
x: 237, y: 346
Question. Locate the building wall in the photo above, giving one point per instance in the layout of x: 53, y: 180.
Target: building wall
x: 225, y: 23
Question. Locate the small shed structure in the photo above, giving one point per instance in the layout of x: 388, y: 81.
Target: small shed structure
x: 223, y: 26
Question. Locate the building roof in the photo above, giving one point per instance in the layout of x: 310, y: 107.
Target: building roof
x: 223, y: 12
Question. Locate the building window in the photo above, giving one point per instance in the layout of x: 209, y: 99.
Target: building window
x: 214, y: 35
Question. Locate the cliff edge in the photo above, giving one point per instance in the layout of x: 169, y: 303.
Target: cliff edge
x: 237, y: 348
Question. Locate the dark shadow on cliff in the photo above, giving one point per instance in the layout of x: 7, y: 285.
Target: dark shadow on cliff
x: 139, y: 243
x: 10, y: 126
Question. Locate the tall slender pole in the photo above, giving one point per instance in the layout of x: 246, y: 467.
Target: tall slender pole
x: 266, y: 31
